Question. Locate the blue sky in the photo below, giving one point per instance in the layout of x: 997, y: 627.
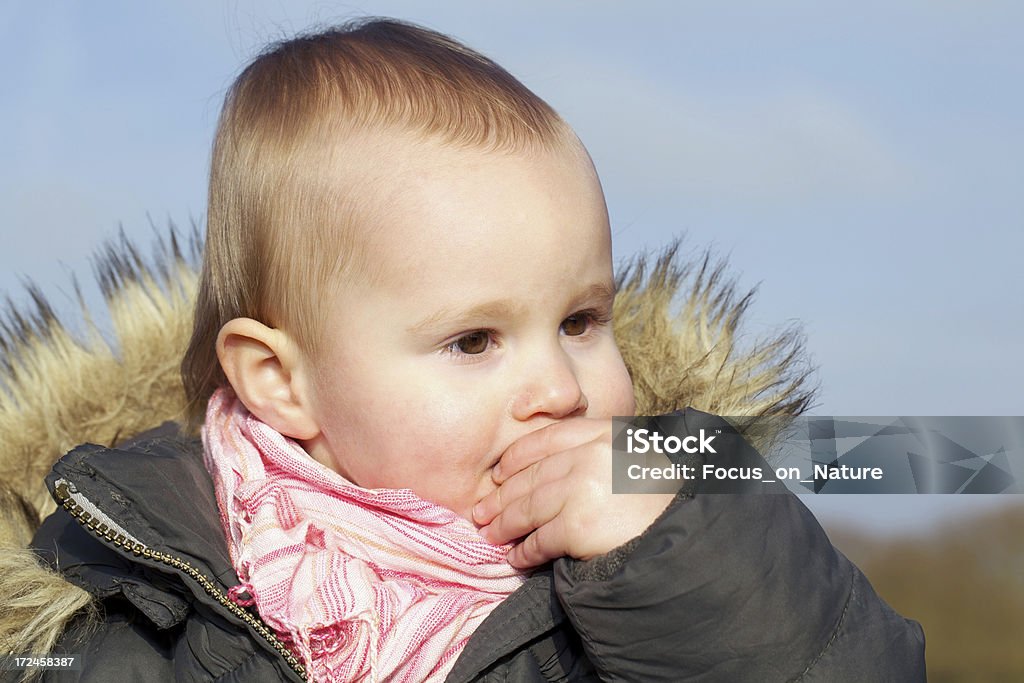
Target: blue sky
x: 859, y: 162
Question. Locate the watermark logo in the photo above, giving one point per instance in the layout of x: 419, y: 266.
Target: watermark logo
x: 643, y: 441
x: 699, y: 452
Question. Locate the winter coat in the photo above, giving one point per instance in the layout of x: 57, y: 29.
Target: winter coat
x: 719, y: 588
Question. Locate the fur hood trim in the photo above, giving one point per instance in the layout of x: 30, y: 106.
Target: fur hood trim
x: 677, y: 321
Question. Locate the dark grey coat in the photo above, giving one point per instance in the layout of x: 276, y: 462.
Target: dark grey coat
x: 719, y: 588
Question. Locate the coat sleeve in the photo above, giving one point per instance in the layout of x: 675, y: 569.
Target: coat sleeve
x: 736, y: 587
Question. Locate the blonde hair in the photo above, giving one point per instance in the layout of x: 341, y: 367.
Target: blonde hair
x: 278, y: 232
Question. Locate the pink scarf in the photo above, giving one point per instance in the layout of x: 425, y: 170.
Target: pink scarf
x: 361, y: 584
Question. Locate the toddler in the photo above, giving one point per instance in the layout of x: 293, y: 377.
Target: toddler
x: 422, y: 303
x: 404, y: 368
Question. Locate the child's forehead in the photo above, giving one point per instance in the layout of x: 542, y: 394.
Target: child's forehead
x: 372, y: 173
x: 471, y: 213
x: 416, y: 207
x: 387, y: 152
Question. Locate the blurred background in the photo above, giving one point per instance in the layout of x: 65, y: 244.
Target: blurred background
x: 859, y: 164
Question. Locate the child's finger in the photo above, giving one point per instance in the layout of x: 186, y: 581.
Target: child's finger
x: 524, y: 514
x: 546, y: 441
x: 543, y: 545
x: 520, y: 484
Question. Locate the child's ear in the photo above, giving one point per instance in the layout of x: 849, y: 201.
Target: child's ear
x: 264, y: 366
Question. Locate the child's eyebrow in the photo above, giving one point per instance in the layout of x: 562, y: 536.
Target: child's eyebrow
x: 601, y: 292
x: 502, y: 308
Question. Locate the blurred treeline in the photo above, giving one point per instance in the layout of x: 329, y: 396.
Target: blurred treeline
x: 964, y: 583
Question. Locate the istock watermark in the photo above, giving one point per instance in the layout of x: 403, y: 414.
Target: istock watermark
x: 644, y: 440
x: 704, y: 453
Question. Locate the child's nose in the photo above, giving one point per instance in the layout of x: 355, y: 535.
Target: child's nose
x: 550, y: 389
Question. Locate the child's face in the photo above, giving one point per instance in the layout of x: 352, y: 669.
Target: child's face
x: 487, y: 319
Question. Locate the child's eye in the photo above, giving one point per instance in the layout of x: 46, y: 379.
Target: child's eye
x: 580, y: 323
x: 575, y: 324
x: 470, y: 344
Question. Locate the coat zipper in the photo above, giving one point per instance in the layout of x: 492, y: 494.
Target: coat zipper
x: 104, y: 531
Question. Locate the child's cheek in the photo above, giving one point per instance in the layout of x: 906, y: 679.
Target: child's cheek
x: 458, y: 431
x: 609, y: 389
x: 627, y: 399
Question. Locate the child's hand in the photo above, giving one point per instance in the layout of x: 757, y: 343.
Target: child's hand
x: 555, y: 488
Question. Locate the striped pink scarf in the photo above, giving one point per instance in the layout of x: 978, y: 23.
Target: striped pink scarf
x: 361, y: 584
